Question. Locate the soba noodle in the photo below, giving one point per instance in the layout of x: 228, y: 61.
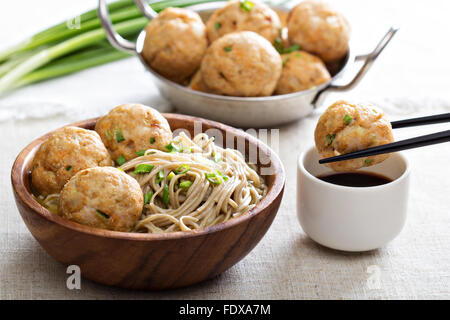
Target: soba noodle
x: 200, y: 185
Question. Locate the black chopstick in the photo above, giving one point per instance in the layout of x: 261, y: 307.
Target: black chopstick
x: 434, y: 138
x: 438, y: 118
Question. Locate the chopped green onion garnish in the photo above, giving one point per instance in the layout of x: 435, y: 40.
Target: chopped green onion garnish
x: 279, y: 45
x: 68, y: 168
x: 292, y: 48
x: 347, y: 119
x: 247, y: 5
x: 286, y: 60
x: 119, y: 135
x: 329, y: 139
x: 170, y: 175
x: 152, y: 140
x: 143, y: 168
x: 121, y: 160
x: 174, y: 146
x: 182, y: 169
x: 217, y: 25
x: 148, y: 196
x: 227, y: 49
x: 213, y: 178
x: 120, y: 169
x: 140, y: 153
x: 102, y: 214
x: 298, y: 55
x: 186, y: 184
x: 224, y: 177
x: 159, y: 177
x: 217, y: 157
x: 165, y: 196
x: 368, y: 162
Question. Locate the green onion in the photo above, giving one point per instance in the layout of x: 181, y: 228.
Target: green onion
x: 213, y: 178
x: 174, y: 146
x: 347, y: 119
x: 148, y: 196
x: 121, y: 160
x: 368, y: 162
x: 140, y: 153
x: 120, y: 169
x: 292, y: 48
x: 279, y: 45
x: 78, y: 42
x: 119, y: 135
x: 227, y: 49
x: 329, y: 139
x: 224, y: 177
x: 152, y: 140
x: 165, y: 196
x: 68, y: 168
x: 217, y: 25
x: 185, y: 184
x: 217, y: 157
x: 247, y: 5
x: 143, y: 168
x: 286, y: 60
x: 182, y: 169
x: 170, y: 175
x: 102, y: 214
x: 159, y: 177
x: 298, y: 55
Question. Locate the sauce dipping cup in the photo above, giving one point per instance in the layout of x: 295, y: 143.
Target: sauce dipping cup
x: 352, y: 218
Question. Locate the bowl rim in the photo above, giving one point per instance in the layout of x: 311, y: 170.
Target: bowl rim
x: 26, y: 198
x: 211, y: 6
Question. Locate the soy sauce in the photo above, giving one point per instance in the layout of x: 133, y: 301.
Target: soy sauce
x: 355, y: 179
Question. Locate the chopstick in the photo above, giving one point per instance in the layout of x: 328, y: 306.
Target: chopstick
x: 438, y: 118
x: 426, y: 140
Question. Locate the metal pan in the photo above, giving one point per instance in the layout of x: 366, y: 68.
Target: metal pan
x: 241, y: 111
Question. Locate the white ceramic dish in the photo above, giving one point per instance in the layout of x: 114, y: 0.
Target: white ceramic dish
x: 351, y: 218
x: 244, y: 112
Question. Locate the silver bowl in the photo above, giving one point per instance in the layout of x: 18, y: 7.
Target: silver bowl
x: 243, y: 112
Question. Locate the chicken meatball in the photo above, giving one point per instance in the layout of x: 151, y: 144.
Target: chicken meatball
x: 244, y: 15
x: 319, y: 29
x: 301, y: 71
x: 346, y: 127
x: 130, y: 128
x: 241, y: 64
x: 175, y: 43
x: 63, y: 154
x: 102, y: 197
x: 197, y: 83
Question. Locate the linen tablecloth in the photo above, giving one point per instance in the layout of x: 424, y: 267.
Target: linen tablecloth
x: 410, y: 79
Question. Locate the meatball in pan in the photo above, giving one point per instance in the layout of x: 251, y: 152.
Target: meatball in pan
x: 241, y: 64
x: 175, y: 43
x: 346, y: 127
x: 318, y: 28
x: 301, y: 71
x: 244, y: 15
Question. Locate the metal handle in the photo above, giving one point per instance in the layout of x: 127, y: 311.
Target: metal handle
x: 146, y: 9
x: 369, y: 59
x: 113, y: 37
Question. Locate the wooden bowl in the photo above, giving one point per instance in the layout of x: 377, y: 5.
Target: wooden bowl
x: 151, y: 261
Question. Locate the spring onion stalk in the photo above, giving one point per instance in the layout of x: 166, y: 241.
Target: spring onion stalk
x: 45, y: 56
x: 36, y: 39
x: 71, y: 64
